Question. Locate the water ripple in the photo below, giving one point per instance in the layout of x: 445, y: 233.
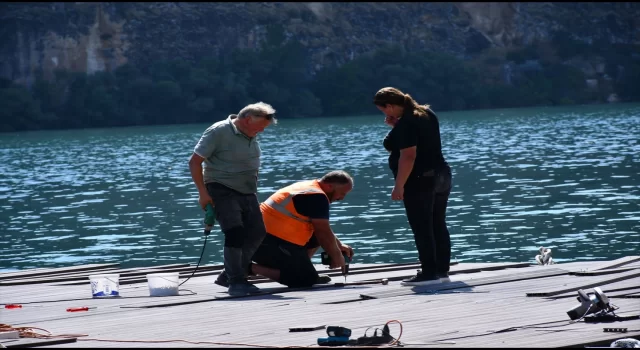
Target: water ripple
x: 565, y: 178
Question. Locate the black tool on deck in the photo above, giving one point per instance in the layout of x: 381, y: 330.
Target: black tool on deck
x: 326, y: 260
x: 591, y: 303
x: 336, y: 331
x: 384, y: 338
x: 306, y: 329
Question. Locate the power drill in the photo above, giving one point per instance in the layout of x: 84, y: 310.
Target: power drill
x: 209, y: 219
x: 326, y: 260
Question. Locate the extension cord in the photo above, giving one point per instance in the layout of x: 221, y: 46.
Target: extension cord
x: 375, y: 340
x: 385, y: 338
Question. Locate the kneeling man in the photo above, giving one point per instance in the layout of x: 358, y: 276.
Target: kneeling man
x: 296, y: 219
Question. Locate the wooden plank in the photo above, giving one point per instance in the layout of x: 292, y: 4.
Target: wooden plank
x: 545, y: 272
x: 136, y: 275
x: 224, y: 296
x: 80, y: 278
x: 139, y: 278
x: 601, y: 272
x: 70, y: 274
x: 140, y: 275
x: 604, y: 342
x: 274, y: 322
x: 621, y: 286
x: 460, y: 315
x: 40, y: 272
x: 506, y: 276
x: 279, y: 290
x: 455, y: 270
x: 56, y: 277
x: 623, y: 293
x: 583, y: 285
x: 35, y: 342
x: 616, y: 263
x: 9, y: 334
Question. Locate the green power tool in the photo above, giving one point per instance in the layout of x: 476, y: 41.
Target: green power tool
x: 209, y: 219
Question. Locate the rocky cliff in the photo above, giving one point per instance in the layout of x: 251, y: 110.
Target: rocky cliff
x: 95, y: 36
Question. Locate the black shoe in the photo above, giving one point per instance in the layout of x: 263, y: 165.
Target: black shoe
x: 222, y: 280
x: 243, y: 288
x: 420, y: 280
x: 323, y: 279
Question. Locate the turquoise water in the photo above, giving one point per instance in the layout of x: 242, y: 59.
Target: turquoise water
x: 565, y: 178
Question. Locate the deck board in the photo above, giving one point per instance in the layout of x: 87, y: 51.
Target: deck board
x: 624, y: 261
x: 575, y: 284
x: 466, y: 316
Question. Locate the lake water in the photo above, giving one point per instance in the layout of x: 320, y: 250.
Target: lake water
x: 565, y: 178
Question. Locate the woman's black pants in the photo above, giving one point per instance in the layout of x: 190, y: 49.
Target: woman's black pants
x: 425, y: 201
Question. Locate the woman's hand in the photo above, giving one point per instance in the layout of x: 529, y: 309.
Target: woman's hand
x: 391, y: 121
x: 397, y: 194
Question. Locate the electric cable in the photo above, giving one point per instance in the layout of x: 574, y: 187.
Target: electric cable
x: 199, y: 260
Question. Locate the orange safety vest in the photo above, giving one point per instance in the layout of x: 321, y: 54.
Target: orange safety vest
x: 281, y: 218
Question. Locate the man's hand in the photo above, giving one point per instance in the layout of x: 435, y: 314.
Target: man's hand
x: 337, y: 262
x: 204, y: 199
x: 328, y: 242
x: 345, y: 248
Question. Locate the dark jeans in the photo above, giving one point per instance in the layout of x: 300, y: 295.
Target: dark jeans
x: 296, y: 268
x: 425, y: 201
x: 241, y: 222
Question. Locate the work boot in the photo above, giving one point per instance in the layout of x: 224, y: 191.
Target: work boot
x: 323, y: 279
x: 223, y: 279
x: 233, y: 265
x: 242, y: 288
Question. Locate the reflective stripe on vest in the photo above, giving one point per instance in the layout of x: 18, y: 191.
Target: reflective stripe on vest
x: 282, y: 207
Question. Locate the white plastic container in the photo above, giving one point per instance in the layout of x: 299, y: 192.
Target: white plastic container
x: 163, y: 284
x: 103, y: 286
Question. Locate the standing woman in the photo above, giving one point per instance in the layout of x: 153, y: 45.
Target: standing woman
x: 422, y: 180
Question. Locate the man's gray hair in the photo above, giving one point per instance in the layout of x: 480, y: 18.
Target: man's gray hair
x: 339, y: 177
x: 259, y: 109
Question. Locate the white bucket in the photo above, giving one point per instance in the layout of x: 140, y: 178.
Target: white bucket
x: 163, y: 284
x: 105, y: 285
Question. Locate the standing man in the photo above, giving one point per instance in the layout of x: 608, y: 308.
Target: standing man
x: 229, y: 181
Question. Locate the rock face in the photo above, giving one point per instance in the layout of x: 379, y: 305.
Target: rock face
x: 96, y: 36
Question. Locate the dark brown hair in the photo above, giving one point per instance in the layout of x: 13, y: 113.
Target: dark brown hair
x: 393, y: 96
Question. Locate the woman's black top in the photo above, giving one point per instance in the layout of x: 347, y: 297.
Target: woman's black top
x: 423, y: 132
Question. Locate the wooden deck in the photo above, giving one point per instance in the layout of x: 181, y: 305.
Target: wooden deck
x: 485, y: 305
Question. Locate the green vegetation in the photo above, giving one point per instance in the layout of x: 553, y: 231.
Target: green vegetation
x: 210, y: 89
